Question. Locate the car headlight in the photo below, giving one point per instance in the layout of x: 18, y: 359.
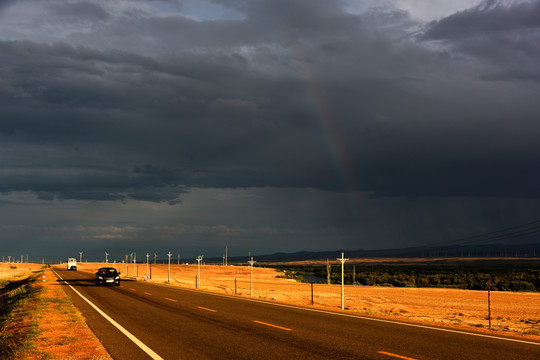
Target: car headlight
x: 100, y: 278
x: 117, y: 278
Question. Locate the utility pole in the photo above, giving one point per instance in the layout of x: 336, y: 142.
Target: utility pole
x: 251, y: 262
x: 134, y: 262
x: 225, y: 255
x: 178, y: 259
x: 80, y: 256
x: 169, y: 274
x: 342, y: 259
x: 155, y: 256
x: 147, y: 265
x: 106, y: 257
x: 199, y: 259
x: 328, y: 272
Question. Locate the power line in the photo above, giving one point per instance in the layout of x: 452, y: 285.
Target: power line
x: 507, y: 236
x: 502, y: 234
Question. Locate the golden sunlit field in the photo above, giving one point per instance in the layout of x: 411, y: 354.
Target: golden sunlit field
x: 13, y: 271
x: 513, y: 313
x: 516, y: 313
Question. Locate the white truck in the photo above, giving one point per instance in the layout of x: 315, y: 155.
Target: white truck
x: 72, y: 264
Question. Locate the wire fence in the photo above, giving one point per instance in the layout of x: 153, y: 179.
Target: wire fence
x: 509, y: 311
x: 15, y: 289
x: 504, y: 311
x: 12, y: 293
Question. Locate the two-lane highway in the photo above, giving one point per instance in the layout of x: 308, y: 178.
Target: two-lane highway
x: 139, y: 320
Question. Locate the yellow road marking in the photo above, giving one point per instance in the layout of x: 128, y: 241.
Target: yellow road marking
x: 207, y: 309
x: 147, y: 293
x: 396, y: 355
x: 272, y: 325
x: 171, y: 299
x: 132, y: 289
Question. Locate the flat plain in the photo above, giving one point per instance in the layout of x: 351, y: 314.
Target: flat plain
x: 512, y: 313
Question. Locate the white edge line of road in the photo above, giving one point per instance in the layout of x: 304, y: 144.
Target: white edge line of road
x: 130, y: 336
x: 355, y: 316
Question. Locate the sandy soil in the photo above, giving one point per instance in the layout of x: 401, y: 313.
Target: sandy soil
x: 63, y: 333
x: 511, y: 313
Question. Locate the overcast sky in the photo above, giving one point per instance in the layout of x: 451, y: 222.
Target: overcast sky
x: 264, y: 125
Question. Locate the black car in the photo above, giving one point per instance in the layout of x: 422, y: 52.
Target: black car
x: 107, y: 276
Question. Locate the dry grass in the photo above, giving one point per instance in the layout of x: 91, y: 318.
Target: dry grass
x: 12, y: 272
x: 18, y: 327
x: 59, y: 330
x: 512, y: 313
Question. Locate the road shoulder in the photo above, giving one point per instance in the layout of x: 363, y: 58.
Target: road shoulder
x: 63, y: 332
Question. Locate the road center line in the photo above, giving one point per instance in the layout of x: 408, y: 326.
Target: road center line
x: 272, y: 325
x: 207, y: 309
x: 360, y: 317
x: 132, y: 289
x: 147, y: 293
x: 129, y: 335
x: 396, y: 355
x: 333, y: 313
x: 170, y: 299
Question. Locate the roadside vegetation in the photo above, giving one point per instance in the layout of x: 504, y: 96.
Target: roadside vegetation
x: 459, y: 277
x: 18, y: 326
x: 38, y: 320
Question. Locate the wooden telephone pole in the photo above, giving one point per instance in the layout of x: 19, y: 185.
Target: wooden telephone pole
x: 328, y: 272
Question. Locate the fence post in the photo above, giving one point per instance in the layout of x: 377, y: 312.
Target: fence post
x: 311, y: 293
x: 489, y: 304
x: 235, y: 286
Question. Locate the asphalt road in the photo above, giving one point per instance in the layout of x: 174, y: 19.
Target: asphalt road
x: 155, y: 321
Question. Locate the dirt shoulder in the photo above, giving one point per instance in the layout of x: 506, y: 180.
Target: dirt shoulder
x: 58, y: 329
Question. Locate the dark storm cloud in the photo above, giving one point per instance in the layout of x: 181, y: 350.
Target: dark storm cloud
x: 145, y: 106
x: 505, y: 37
x: 490, y: 17
x: 6, y: 3
x: 81, y: 11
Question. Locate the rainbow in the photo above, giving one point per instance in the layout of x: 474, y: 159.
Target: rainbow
x: 328, y: 124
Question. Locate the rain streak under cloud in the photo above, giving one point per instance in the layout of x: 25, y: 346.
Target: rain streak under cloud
x: 265, y: 125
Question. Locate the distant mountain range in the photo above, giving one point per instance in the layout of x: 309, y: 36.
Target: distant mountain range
x: 490, y: 250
